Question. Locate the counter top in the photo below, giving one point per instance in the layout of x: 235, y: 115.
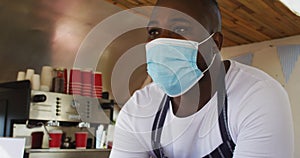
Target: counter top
x: 67, y: 153
x: 64, y: 150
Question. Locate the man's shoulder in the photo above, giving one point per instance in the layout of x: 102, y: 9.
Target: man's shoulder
x: 245, y: 76
x: 144, y: 102
x: 147, y: 95
x: 249, y: 84
x: 253, y: 99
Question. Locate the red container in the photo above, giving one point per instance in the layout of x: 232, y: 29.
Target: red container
x: 75, y: 76
x: 87, y: 77
x: 37, y: 140
x: 97, y: 85
x: 55, y: 139
x: 74, y: 87
x: 81, y: 140
x: 75, y: 80
x: 87, y: 91
x: 97, y: 79
x: 66, y: 81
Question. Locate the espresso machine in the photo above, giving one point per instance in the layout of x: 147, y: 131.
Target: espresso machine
x: 58, y: 107
x: 46, y: 111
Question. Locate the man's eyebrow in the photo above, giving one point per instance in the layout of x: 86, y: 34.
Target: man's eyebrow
x: 182, y: 20
x: 152, y: 23
x: 173, y: 20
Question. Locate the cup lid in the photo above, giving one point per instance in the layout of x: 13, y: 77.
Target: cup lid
x: 81, y: 132
x: 55, y: 131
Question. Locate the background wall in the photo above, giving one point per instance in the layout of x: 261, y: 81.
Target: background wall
x: 45, y: 32
x: 265, y: 57
x: 50, y: 32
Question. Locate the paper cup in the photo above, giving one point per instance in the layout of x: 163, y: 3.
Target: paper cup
x: 55, y: 139
x: 29, y: 74
x: 35, y: 82
x: 46, y: 76
x: 21, y: 76
x: 75, y: 88
x: 37, y: 140
x: 81, y: 140
x: 97, y: 85
x: 97, y: 79
x: 66, y: 80
x: 75, y: 76
x: 87, y: 77
x: 75, y: 80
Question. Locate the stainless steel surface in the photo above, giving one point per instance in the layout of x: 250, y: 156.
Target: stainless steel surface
x: 69, y: 108
x: 56, y: 107
x: 73, y: 113
x: 68, y: 153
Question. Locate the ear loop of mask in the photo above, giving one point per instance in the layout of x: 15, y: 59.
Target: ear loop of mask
x: 206, y: 39
x: 215, y: 54
x: 211, y: 63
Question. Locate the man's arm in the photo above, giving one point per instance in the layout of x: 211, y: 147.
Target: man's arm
x: 264, y: 125
x: 126, y: 143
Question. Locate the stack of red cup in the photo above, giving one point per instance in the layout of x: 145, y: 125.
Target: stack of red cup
x: 75, y: 82
x: 87, y: 83
x: 66, y: 80
x: 97, y: 85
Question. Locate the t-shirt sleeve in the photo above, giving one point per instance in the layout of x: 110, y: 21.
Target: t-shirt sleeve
x: 263, y: 123
x: 126, y: 143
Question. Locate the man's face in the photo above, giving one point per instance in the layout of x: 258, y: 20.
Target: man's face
x: 182, y: 20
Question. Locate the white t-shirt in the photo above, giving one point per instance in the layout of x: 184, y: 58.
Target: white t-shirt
x: 259, y: 121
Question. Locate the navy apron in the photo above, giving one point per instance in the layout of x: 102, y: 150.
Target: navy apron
x: 225, y: 150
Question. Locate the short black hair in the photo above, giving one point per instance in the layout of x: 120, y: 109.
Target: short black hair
x: 214, y: 6
x: 211, y: 7
x: 216, y: 3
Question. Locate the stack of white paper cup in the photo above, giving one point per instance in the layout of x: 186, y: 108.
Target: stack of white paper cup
x: 46, y: 78
x: 29, y: 74
x: 21, y: 76
x: 35, y: 82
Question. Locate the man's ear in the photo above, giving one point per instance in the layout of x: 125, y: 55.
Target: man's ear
x: 218, y: 38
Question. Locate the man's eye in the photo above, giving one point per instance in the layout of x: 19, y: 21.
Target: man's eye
x: 180, y: 30
x: 153, y: 32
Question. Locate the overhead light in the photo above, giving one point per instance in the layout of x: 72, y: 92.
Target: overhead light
x: 293, y: 5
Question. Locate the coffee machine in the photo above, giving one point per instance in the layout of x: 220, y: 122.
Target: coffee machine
x: 55, y: 107
x: 28, y: 111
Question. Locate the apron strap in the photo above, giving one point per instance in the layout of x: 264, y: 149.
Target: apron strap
x: 158, y: 126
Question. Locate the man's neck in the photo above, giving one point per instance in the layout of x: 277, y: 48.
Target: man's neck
x: 196, y: 98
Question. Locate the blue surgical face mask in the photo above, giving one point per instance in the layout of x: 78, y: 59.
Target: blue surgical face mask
x: 172, y: 64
